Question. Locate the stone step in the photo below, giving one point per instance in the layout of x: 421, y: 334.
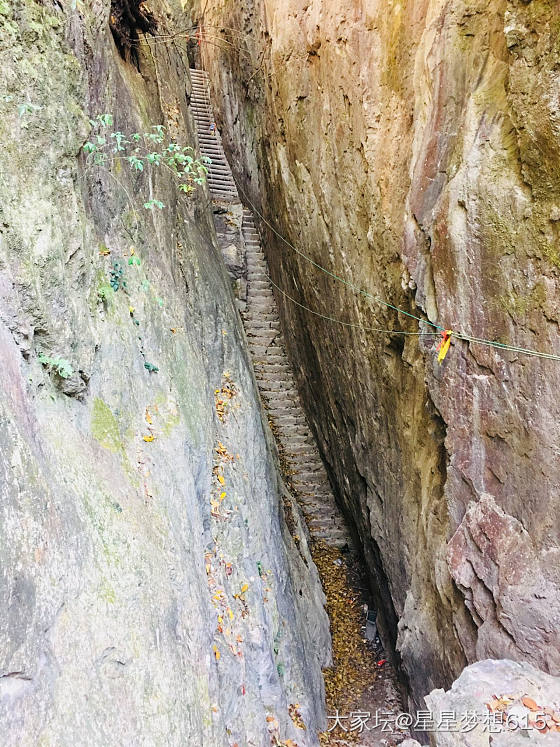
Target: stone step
x: 318, y: 491
x: 272, y: 368
x: 292, y: 421
x: 321, y: 510
x: 224, y: 193
x: 255, y: 324
x: 259, y: 292
x: 275, y: 358
x: 219, y: 171
x: 310, y: 477
x: 284, y: 376
x: 255, y: 284
x: 220, y: 178
x: 259, y: 274
x: 280, y: 400
x: 264, y: 316
x: 221, y: 168
x: 295, y: 449
x: 285, y: 385
x: 279, y: 389
x: 255, y: 307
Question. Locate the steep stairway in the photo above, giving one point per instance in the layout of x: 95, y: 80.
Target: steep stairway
x: 220, y: 179
x: 356, y: 682
x: 305, y: 471
x: 280, y: 396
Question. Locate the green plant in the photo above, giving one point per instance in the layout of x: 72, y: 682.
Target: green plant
x: 117, y: 280
x: 104, y: 292
x: 150, y: 367
x: 144, y: 151
x: 59, y: 365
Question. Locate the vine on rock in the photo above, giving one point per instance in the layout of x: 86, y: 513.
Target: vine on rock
x: 144, y: 152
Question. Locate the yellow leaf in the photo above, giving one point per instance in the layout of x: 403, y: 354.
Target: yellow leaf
x: 216, y: 652
x: 230, y: 613
x: 244, y: 588
x: 131, y: 309
x: 222, y: 496
x: 148, y: 417
x: 221, y: 480
x: 148, y: 438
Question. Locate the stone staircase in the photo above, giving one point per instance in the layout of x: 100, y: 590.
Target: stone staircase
x: 220, y: 179
x: 279, y: 393
x: 304, y: 469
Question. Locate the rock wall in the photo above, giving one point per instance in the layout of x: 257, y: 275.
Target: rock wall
x: 150, y: 591
x: 412, y: 149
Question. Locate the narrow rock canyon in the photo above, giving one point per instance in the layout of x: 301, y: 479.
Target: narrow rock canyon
x: 412, y: 150
x: 279, y: 337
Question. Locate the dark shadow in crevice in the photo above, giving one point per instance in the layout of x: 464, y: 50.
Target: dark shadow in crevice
x: 127, y: 18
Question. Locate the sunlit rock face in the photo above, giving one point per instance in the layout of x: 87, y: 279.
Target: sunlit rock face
x: 413, y: 150
x: 150, y: 592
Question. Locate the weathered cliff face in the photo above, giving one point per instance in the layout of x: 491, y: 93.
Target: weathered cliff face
x: 413, y: 149
x: 149, y: 590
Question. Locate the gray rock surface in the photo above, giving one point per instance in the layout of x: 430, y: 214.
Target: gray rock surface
x: 481, y: 684
x: 138, y: 605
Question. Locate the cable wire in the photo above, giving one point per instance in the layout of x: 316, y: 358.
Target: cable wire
x: 357, y: 289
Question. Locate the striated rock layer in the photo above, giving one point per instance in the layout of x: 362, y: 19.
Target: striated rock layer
x: 413, y: 149
x: 150, y: 591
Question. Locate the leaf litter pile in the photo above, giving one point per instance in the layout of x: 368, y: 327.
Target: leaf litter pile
x: 348, y: 683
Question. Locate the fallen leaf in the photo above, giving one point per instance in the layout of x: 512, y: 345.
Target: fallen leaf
x: 530, y: 703
x: 221, y: 480
x: 222, y: 496
x: 216, y: 653
x: 244, y: 588
x: 149, y: 438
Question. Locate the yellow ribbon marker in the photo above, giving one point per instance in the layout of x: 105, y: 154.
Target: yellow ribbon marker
x: 443, y: 347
